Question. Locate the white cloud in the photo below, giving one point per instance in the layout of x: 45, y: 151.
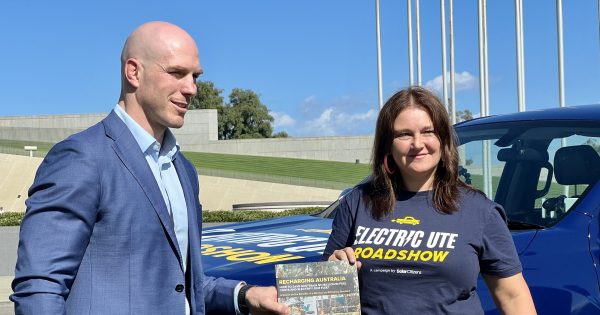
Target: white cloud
x: 331, y: 123
x: 309, y: 99
x: 349, y: 114
x: 321, y: 125
x: 397, y: 85
x: 370, y: 115
x: 462, y: 81
x: 308, y: 103
x: 282, y: 120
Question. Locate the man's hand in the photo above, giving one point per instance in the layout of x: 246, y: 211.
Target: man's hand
x: 263, y: 300
x: 347, y: 254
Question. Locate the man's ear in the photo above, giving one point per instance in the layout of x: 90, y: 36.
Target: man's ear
x: 132, y: 72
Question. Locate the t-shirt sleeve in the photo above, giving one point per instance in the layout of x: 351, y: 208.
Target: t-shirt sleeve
x: 341, y: 229
x: 498, y: 257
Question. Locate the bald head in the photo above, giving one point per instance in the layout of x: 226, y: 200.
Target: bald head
x: 154, y: 40
x: 159, y: 68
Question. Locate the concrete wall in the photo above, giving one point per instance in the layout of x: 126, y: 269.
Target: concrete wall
x: 216, y: 193
x: 344, y: 149
x: 200, y: 127
x: 50, y: 128
x: 52, y: 121
x: 200, y: 134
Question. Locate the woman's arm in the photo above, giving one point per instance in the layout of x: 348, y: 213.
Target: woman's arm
x: 511, y: 294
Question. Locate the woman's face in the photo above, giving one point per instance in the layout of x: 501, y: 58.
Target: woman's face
x: 416, y: 148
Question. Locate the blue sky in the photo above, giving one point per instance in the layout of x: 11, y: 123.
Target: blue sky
x: 313, y: 62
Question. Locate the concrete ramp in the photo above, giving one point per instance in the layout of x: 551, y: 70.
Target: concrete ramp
x: 16, y: 176
x: 220, y: 193
x: 216, y: 193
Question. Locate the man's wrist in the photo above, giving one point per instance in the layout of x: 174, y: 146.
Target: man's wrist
x: 241, y: 299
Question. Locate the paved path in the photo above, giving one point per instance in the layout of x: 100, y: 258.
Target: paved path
x: 9, y: 239
x: 6, y: 306
x: 7, y: 309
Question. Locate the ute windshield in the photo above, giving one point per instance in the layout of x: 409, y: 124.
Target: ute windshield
x: 537, y: 170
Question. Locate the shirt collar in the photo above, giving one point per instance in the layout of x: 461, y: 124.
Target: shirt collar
x: 147, y: 142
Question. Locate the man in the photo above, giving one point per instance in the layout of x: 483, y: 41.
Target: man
x: 113, y: 219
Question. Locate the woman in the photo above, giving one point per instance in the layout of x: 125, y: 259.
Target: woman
x: 419, y: 235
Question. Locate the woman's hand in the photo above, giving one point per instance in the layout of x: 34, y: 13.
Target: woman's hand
x: 345, y: 254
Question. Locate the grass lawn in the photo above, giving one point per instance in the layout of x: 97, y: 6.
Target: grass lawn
x: 16, y: 147
x: 324, y: 174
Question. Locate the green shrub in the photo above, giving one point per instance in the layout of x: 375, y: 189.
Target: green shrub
x: 15, y: 218
x: 11, y: 218
x: 251, y: 215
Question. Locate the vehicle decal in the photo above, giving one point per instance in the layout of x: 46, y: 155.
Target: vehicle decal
x: 247, y: 255
x: 315, y: 231
x: 293, y: 242
x: 213, y: 231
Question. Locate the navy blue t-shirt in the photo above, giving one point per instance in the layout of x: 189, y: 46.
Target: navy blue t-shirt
x: 420, y: 260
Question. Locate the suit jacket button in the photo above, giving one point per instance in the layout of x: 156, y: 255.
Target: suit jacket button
x: 179, y: 288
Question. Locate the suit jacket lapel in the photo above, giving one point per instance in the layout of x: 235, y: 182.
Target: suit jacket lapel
x: 193, y: 221
x: 129, y: 153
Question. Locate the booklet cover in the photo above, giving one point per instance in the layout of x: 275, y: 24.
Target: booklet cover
x: 318, y: 288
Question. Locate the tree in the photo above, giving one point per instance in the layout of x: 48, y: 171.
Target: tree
x: 463, y: 115
x: 593, y: 143
x: 281, y: 134
x: 249, y: 116
x: 208, y: 96
x: 244, y: 117
x: 229, y: 123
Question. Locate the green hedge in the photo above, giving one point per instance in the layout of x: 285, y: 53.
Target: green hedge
x: 14, y: 218
x: 11, y: 218
x: 251, y: 215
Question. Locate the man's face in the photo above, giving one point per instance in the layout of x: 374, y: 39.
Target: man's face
x: 168, y: 84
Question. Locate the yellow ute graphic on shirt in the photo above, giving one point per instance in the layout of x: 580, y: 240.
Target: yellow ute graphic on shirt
x: 407, y: 220
x: 403, y: 244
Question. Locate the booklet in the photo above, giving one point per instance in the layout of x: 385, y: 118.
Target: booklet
x: 316, y: 288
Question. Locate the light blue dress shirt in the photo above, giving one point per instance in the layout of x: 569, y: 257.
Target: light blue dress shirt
x: 160, y: 160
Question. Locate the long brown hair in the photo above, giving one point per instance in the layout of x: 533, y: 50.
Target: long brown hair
x: 382, y: 190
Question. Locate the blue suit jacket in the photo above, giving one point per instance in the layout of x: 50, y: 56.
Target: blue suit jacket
x: 97, y: 237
